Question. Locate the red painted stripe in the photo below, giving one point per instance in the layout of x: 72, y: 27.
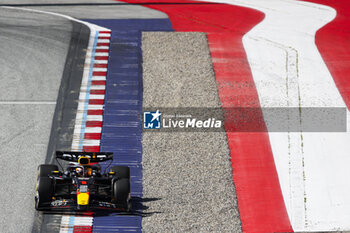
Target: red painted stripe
x: 95, y: 112
x: 82, y: 229
x: 332, y: 40
x: 98, y: 82
x: 91, y: 148
x: 99, y: 73
x: 109, y: 32
x: 94, y: 124
x: 101, y: 58
x: 104, y: 37
x: 94, y: 136
x: 96, y: 101
x: 100, y: 65
x: 97, y: 92
x: 102, y: 44
x: 259, y: 195
x: 102, y: 50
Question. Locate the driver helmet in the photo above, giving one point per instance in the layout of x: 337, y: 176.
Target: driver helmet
x: 79, y: 171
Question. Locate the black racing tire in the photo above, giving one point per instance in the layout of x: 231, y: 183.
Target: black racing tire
x: 44, y: 170
x: 121, y: 172
x: 121, y: 193
x: 43, y: 193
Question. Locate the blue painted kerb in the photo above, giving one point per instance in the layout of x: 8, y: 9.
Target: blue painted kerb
x: 122, y: 121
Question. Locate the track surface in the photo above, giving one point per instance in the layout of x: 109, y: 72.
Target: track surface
x: 94, y: 11
x: 24, y: 36
x: 33, y: 53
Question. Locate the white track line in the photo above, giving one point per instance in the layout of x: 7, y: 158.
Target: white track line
x: 27, y: 102
x: 288, y: 71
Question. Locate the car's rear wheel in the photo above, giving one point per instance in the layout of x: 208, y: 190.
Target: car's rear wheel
x: 121, y: 193
x: 43, y: 193
x: 44, y: 186
x: 121, y: 172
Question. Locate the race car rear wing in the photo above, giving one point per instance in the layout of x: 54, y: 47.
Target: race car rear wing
x: 94, y: 157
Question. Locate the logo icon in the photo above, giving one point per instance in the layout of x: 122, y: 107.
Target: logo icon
x: 151, y: 120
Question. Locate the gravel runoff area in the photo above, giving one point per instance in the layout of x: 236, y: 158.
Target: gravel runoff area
x: 187, y: 176
x: 32, y: 56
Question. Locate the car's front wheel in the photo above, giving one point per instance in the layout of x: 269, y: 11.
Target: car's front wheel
x: 121, y: 172
x: 121, y: 193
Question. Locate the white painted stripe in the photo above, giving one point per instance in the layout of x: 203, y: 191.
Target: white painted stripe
x: 92, y: 97
x: 101, y: 62
x: 98, y: 54
x: 288, y: 71
x: 98, y: 69
x: 91, y: 107
x: 89, y: 142
x: 104, y: 35
x: 94, y: 118
x: 93, y: 130
x: 93, y: 87
x: 103, y: 41
x: 101, y: 54
x: 102, y: 47
x: 97, y: 87
x: 99, y: 78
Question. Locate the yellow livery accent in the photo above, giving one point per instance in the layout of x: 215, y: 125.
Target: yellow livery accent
x: 84, y: 160
x: 83, y: 198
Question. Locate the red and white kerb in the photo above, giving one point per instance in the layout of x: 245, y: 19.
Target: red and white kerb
x: 89, y: 118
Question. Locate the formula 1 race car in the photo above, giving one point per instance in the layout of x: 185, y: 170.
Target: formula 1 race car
x: 82, y: 186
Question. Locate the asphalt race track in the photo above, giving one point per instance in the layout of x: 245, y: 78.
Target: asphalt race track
x: 33, y: 54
